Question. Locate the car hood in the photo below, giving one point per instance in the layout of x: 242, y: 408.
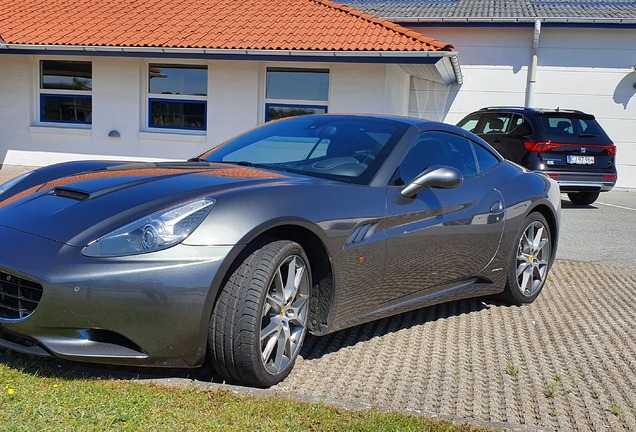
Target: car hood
x: 80, y: 208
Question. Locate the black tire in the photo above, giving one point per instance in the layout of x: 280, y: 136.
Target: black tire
x: 530, y: 261
x: 251, y: 304
x: 583, y: 198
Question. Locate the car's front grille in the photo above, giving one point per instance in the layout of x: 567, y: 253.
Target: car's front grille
x: 18, y: 297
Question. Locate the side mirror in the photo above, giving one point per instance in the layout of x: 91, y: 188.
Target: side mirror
x: 440, y: 177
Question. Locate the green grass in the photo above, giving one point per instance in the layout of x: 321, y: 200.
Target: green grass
x: 47, y: 396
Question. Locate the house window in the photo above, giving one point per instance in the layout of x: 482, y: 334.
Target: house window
x: 65, y: 93
x: 292, y: 91
x: 177, y: 96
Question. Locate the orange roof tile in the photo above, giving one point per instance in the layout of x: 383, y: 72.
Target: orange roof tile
x: 214, y: 24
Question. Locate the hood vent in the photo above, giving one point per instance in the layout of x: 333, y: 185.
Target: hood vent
x: 72, y: 194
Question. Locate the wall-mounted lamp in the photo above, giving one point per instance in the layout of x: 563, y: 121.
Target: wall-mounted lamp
x: 114, y: 134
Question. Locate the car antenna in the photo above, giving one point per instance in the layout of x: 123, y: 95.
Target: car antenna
x: 557, y: 110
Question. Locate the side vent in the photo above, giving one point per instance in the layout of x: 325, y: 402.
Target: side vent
x: 69, y: 193
x: 361, y: 233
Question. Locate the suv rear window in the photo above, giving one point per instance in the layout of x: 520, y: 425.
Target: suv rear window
x: 571, y: 129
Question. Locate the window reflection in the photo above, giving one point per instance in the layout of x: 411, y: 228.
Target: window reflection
x: 66, y: 75
x: 292, y: 83
x: 71, y: 109
x: 275, y: 112
x: 177, y: 114
x: 178, y: 80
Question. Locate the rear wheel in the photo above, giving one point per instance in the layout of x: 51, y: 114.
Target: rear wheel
x: 530, y: 260
x: 583, y: 198
x: 260, y: 319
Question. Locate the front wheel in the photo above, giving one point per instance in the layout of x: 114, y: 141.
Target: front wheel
x: 583, y: 198
x: 530, y: 260
x: 260, y: 320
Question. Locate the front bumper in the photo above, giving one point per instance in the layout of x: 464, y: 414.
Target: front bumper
x: 147, y: 310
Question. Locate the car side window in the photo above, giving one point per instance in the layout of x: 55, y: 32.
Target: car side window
x: 519, y: 126
x: 495, y: 123
x: 436, y: 148
x: 470, y: 123
x: 485, y: 159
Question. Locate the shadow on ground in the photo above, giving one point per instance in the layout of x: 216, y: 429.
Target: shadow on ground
x: 314, y: 347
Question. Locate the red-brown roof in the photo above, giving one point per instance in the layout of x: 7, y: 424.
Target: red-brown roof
x: 214, y: 24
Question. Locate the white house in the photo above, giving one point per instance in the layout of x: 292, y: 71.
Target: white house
x: 135, y: 79
x: 583, y: 54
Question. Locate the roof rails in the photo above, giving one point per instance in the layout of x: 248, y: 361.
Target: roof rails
x: 538, y: 110
x: 504, y: 107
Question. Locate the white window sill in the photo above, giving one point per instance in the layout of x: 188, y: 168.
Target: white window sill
x: 176, y: 136
x: 61, y: 130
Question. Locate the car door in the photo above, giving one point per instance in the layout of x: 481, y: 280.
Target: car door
x: 442, y: 236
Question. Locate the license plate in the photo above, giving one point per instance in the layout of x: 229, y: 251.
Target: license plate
x: 580, y: 160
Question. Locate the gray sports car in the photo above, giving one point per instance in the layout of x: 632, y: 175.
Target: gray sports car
x: 309, y: 224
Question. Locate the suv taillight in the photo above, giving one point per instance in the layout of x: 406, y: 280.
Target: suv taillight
x: 540, y: 146
x: 544, y: 146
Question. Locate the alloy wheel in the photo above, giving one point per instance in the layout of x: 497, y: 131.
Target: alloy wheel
x: 285, y: 314
x: 533, y: 258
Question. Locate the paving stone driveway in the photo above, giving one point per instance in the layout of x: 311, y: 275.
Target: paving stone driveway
x: 565, y: 362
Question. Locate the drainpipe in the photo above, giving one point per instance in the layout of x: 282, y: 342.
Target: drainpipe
x: 532, y: 71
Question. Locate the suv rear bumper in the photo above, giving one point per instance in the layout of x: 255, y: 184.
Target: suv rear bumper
x: 583, y: 182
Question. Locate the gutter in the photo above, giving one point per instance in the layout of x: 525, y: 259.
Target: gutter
x: 218, y: 51
x: 512, y: 20
x: 253, y: 54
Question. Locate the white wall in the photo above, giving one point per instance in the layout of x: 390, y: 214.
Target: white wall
x: 585, y: 69
x: 235, y: 104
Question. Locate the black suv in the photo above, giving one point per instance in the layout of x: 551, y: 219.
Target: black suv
x: 567, y: 145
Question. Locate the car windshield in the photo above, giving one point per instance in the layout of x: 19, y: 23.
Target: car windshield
x: 571, y: 129
x: 343, y: 148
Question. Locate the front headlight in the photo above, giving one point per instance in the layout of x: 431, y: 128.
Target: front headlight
x: 155, y: 232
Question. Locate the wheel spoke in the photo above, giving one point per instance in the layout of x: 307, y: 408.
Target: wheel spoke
x: 270, y: 345
x: 526, y: 241
x: 279, y: 286
x: 282, y: 349
x: 290, y: 283
x: 298, y: 280
x: 527, y: 276
x: 271, y: 328
x: 522, y: 267
x: 541, y: 245
x: 537, y: 238
x: 299, y: 306
x: 275, y: 303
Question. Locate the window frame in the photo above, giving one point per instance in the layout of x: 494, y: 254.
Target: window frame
x: 43, y: 93
x: 149, y: 98
x: 294, y: 103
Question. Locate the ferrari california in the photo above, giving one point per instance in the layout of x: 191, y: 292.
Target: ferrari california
x: 305, y: 225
